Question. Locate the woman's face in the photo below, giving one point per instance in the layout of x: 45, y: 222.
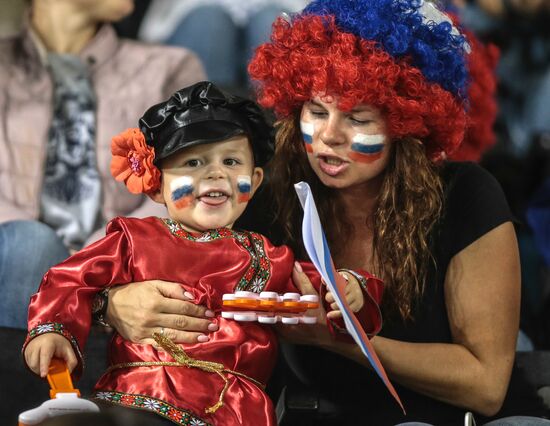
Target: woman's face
x: 344, y: 149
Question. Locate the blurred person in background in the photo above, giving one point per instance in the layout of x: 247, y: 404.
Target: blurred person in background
x: 59, y: 78
x: 223, y: 33
x: 519, y: 28
x: 521, y: 156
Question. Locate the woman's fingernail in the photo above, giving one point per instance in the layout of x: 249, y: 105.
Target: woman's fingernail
x: 213, y: 326
x: 189, y: 295
x: 203, y: 338
x: 298, y: 267
x: 209, y: 313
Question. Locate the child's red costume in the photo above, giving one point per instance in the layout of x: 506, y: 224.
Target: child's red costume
x: 207, y: 265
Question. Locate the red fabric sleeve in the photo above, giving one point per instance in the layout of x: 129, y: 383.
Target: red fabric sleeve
x: 282, y: 264
x: 63, y: 303
x: 370, y: 316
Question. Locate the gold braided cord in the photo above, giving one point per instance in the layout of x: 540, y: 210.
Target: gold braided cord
x: 184, y: 360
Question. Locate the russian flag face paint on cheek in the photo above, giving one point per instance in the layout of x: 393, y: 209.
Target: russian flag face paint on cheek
x: 182, y: 191
x: 307, y: 134
x: 367, y: 148
x: 244, y: 185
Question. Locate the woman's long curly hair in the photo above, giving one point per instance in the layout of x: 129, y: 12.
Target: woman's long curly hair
x: 408, y: 206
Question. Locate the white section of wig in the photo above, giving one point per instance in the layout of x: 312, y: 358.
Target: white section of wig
x: 430, y: 13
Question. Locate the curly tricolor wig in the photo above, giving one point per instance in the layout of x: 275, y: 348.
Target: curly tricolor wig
x: 402, y: 56
x: 482, y: 104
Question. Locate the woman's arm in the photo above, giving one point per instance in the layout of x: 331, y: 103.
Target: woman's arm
x: 482, y: 293
x: 137, y: 310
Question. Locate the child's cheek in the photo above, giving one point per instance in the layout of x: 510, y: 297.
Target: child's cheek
x: 307, y: 134
x: 244, y: 185
x: 367, y: 148
x: 182, y: 191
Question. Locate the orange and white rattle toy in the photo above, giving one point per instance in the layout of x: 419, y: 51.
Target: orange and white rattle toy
x: 269, y: 307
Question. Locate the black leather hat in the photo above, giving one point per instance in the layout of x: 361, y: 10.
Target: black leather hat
x: 202, y: 113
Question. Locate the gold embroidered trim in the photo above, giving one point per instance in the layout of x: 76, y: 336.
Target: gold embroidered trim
x: 184, y: 360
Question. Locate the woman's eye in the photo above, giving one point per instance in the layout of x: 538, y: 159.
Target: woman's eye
x: 192, y: 163
x: 318, y: 113
x: 360, y: 122
x: 231, y: 162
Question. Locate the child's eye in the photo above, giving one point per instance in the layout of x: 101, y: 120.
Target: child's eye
x: 231, y: 162
x: 193, y: 163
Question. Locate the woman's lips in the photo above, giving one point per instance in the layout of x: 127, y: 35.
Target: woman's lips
x: 332, y: 166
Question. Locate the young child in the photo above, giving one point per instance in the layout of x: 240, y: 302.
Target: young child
x: 200, y: 153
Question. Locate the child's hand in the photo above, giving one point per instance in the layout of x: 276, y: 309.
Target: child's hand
x: 353, y: 293
x: 40, y: 351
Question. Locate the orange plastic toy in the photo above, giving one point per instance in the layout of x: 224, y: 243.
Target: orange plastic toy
x: 269, y: 307
x: 65, y: 399
x: 59, y: 378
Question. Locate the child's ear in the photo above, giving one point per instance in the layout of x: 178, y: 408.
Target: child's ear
x: 157, y: 196
x: 257, y: 178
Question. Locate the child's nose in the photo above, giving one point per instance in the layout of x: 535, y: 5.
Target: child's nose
x: 214, y: 171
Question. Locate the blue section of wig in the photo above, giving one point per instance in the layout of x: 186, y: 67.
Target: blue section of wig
x: 397, y: 26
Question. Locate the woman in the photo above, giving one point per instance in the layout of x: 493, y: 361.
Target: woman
x: 370, y: 100
x: 67, y: 84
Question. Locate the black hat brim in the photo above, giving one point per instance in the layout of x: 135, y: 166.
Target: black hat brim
x: 193, y: 135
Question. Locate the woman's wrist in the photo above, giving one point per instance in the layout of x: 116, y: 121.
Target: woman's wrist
x: 99, y: 307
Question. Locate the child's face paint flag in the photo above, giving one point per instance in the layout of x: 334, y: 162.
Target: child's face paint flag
x: 244, y: 186
x: 317, y: 248
x: 182, y: 191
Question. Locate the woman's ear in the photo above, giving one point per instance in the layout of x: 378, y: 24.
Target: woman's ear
x: 157, y: 196
x: 257, y: 178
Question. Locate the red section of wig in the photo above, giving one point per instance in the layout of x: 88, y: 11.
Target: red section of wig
x: 482, y: 112
x: 312, y: 57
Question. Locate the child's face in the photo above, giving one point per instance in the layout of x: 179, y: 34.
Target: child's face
x: 208, y: 186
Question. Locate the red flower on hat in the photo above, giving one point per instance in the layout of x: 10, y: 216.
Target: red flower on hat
x: 132, y: 162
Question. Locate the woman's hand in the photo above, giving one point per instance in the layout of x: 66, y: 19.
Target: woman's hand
x: 137, y: 310
x: 306, y: 334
